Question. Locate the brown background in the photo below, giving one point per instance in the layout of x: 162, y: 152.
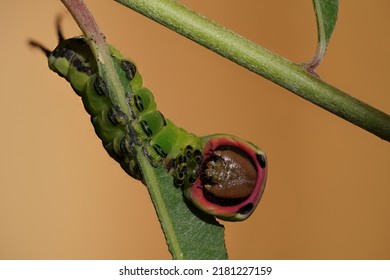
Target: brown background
x: 328, y: 194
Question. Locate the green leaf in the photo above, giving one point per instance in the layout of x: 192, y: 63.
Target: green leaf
x: 190, y: 234
x: 326, y: 15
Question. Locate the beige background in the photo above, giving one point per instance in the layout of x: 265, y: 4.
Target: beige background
x: 328, y: 194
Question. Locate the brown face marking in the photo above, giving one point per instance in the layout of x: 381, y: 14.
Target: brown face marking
x: 229, y: 174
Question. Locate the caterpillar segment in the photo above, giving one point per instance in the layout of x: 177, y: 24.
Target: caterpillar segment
x: 221, y: 174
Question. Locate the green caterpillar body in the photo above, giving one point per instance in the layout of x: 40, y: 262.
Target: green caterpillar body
x: 221, y: 174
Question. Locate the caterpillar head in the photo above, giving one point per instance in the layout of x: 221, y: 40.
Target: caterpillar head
x: 227, y: 180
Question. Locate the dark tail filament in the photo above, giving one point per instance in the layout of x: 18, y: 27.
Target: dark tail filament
x: 39, y: 46
x: 59, y: 31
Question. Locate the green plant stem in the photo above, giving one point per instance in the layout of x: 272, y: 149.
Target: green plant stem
x: 322, y: 42
x: 263, y: 62
x: 326, y: 17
